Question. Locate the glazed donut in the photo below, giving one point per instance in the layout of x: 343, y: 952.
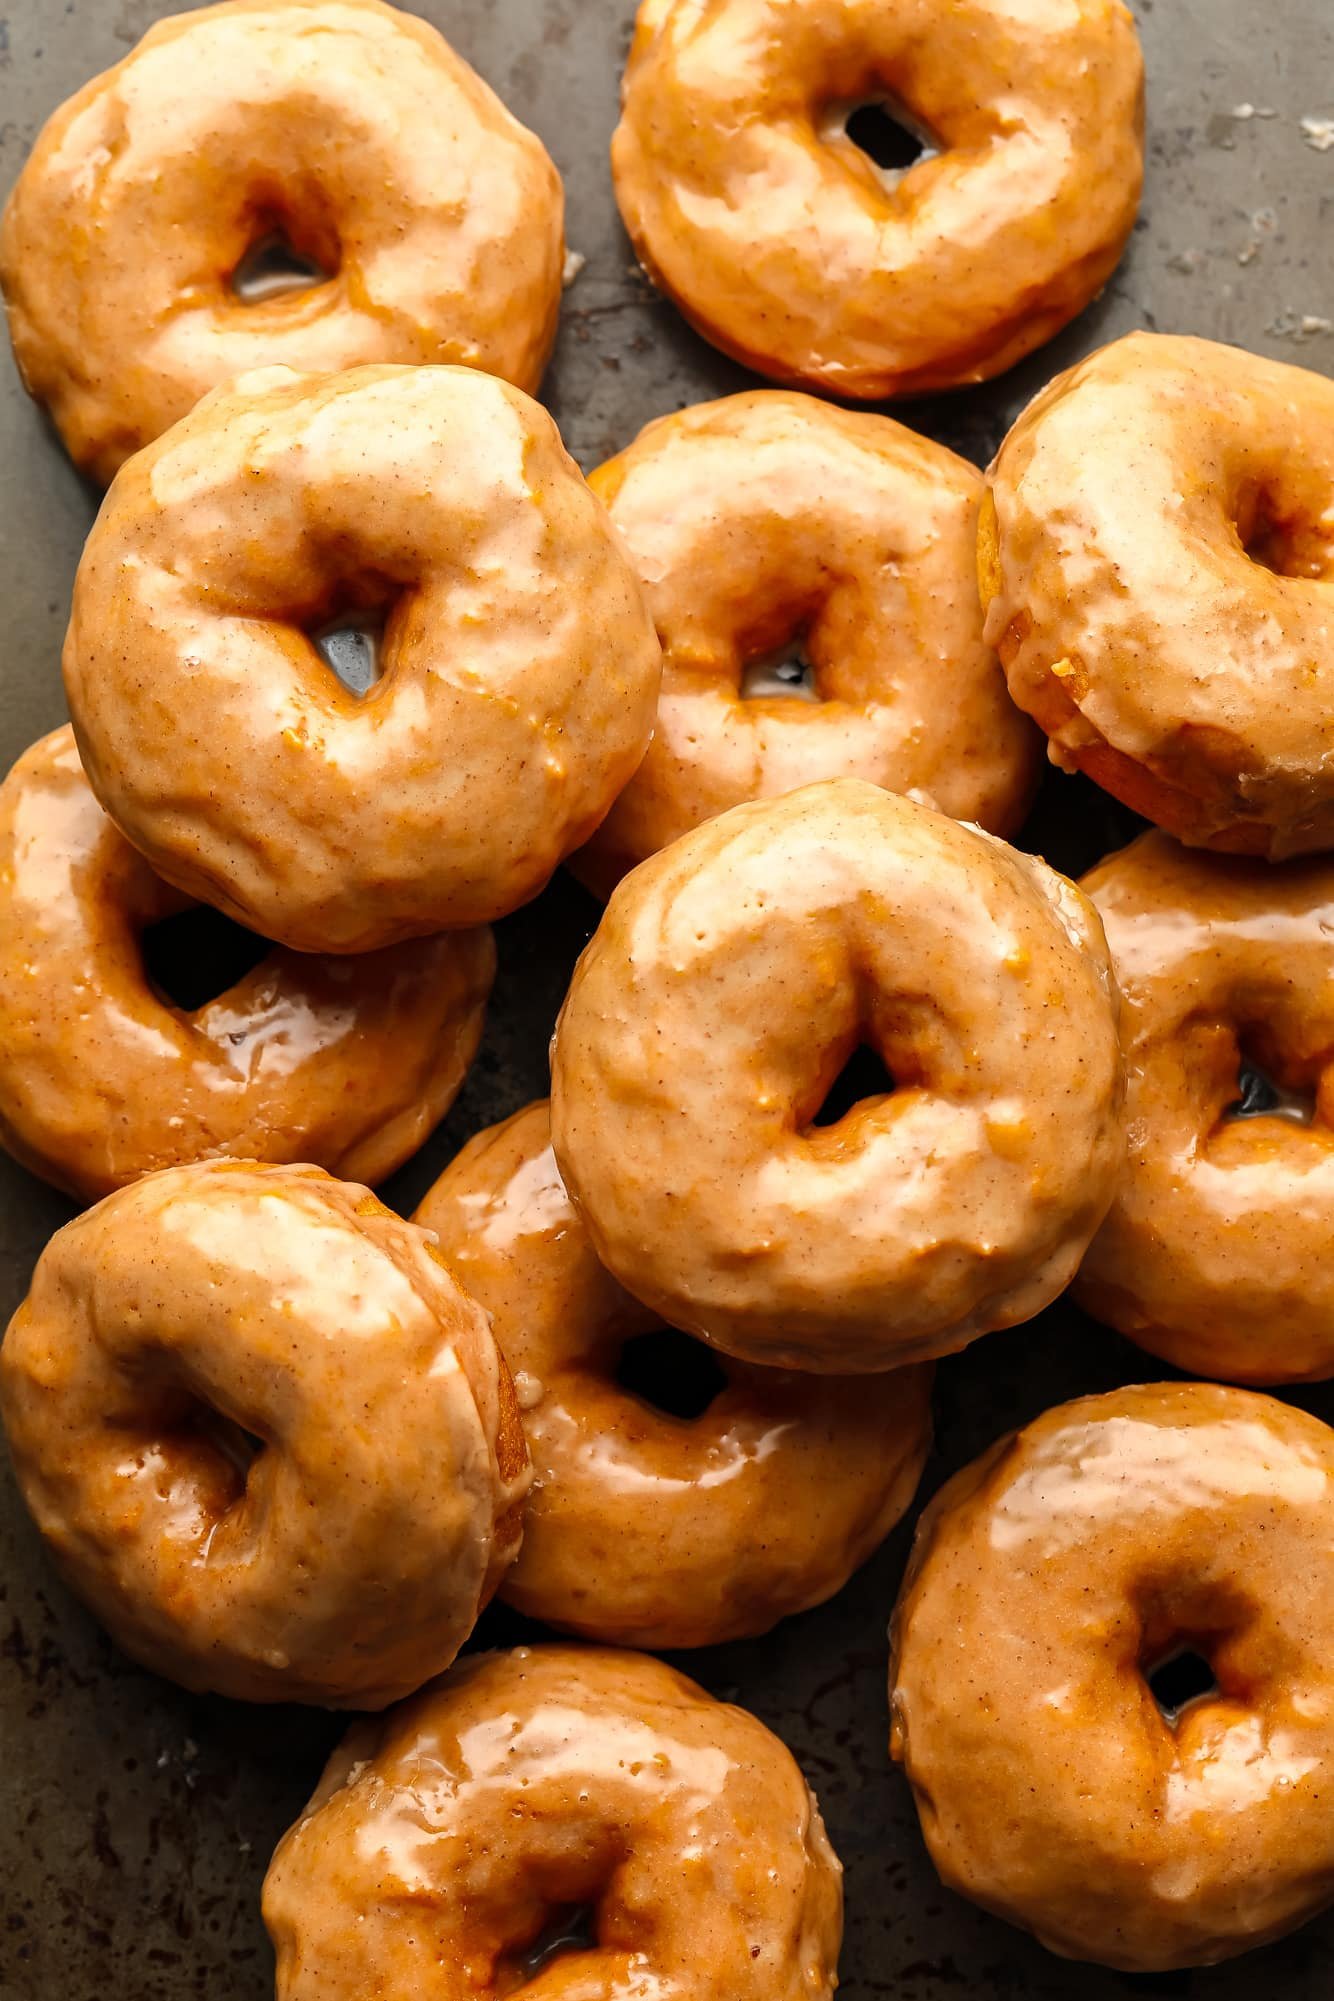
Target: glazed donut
x: 732, y: 977
x: 767, y: 520
x: 644, y: 1528
x: 449, y: 1841
x: 348, y: 1063
x: 266, y: 1437
x: 1157, y: 556
x: 1103, y: 1540
x: 1215, y: 1253
x: 784, y: 243
x: 520, y: 668
x: 428, y: 222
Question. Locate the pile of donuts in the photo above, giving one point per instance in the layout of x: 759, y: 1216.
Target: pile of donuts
x: 357, y: 657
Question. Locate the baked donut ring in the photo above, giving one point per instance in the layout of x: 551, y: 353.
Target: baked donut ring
x: 1215, y: 1253
x: 645, y: 1528
x: 448, y: 1843
x: 1157, y: 558
x: 731, y: 979
x: 346, y: 1062
x: 1088, y: 1551
x: 784, y: 243
x: 423, y: 222
x: 767, y: 520
x: 520, y: 667
x: 266, y: 1437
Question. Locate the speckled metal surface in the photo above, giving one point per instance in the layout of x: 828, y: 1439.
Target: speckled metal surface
x: 135, y: 1821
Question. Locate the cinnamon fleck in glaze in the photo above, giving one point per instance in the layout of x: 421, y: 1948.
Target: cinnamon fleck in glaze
x: 771, y: 524
x: 1048, y: 1582
x: 732, y: 977
x: 1216, y: 1252
x: 788, y: 247
x: 520, y: 667
x: 1157, y: 557
x: 429, y: 219
x: 450, y: 1839
x: 644, y: 1528
x: 345, y: 1062
x: 266, y: 1437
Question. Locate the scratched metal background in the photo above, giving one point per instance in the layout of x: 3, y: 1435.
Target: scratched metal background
x: 135, y: 1821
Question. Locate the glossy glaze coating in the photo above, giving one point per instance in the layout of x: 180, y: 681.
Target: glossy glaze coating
x: 1158, y: 561
x: 1086, y: 1549
x: 732, y: 977
x: 447, y: 1839
x: 349, y: 1063
x: 519, y: 664
x: 770, y: 522
x: 787, y: 246
x: 1216, y: 1251
x: 346, y: 126
x: 643, y: 1528
x: 221, y: 1309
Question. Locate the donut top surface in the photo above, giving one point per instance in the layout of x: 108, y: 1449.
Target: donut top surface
x: 551, y: 1779
x: 1158, y: 561
x: 1049, y: 1581
x: 430, y: 216
x: 785, y: 243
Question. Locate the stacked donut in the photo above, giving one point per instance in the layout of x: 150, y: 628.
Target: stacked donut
x: 843, y: 1083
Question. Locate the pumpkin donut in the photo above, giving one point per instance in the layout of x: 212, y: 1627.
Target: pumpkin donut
x: 519, y: 665
x: 421, y: 222
x: 267, y: 1439
x: 449, y: 1843
x: 1177, y: 1529
x: 786, y: 245
x: 730, y: 981
x: 1157, y: 558
x: 1215, y: 1253
x: 770, y: 522
x: 646, y: 1528
x: 346, y: 1062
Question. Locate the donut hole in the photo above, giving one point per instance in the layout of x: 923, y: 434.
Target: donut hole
x: 351, y: 645
x: 1178, y: 1680
x: 568, y: 1928
x: 784, y: 673
x: 1262, y: 1094
x: 671, y: 1372
x: 274, y: 266
x: 1282, y: 537
x: 865, y: 1075
x: 228, y: 1451
x: 198, y: 954
x: 889, y: 139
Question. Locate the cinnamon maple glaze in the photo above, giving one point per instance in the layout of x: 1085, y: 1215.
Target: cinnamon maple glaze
x: 519, y: 665
x: 786, y: 245
x: 430, y: 220
x: 771, y: 524
x: 349, y: 1063
x: 449, y: 1840
x: 645, y: 1528
x: 730, y: 980
x: 1047, y: 1582
x: 266, y: 1437
x: 1158, y: 562
x: 1216, y: 1252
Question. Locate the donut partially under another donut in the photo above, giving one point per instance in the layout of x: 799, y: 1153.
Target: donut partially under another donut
x: 1049, y: 1583
x: 646, y: 1528
x: 346, y: 134
x: 346, y: 1062
x: 519, y: 667
x: 732, y: 977
x: 1215, y: 1253
x: 266, y: 1437
x: 453, y: 1844
x: 771, y: 528
x: 1157, y: 558
x: 751, y: 205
